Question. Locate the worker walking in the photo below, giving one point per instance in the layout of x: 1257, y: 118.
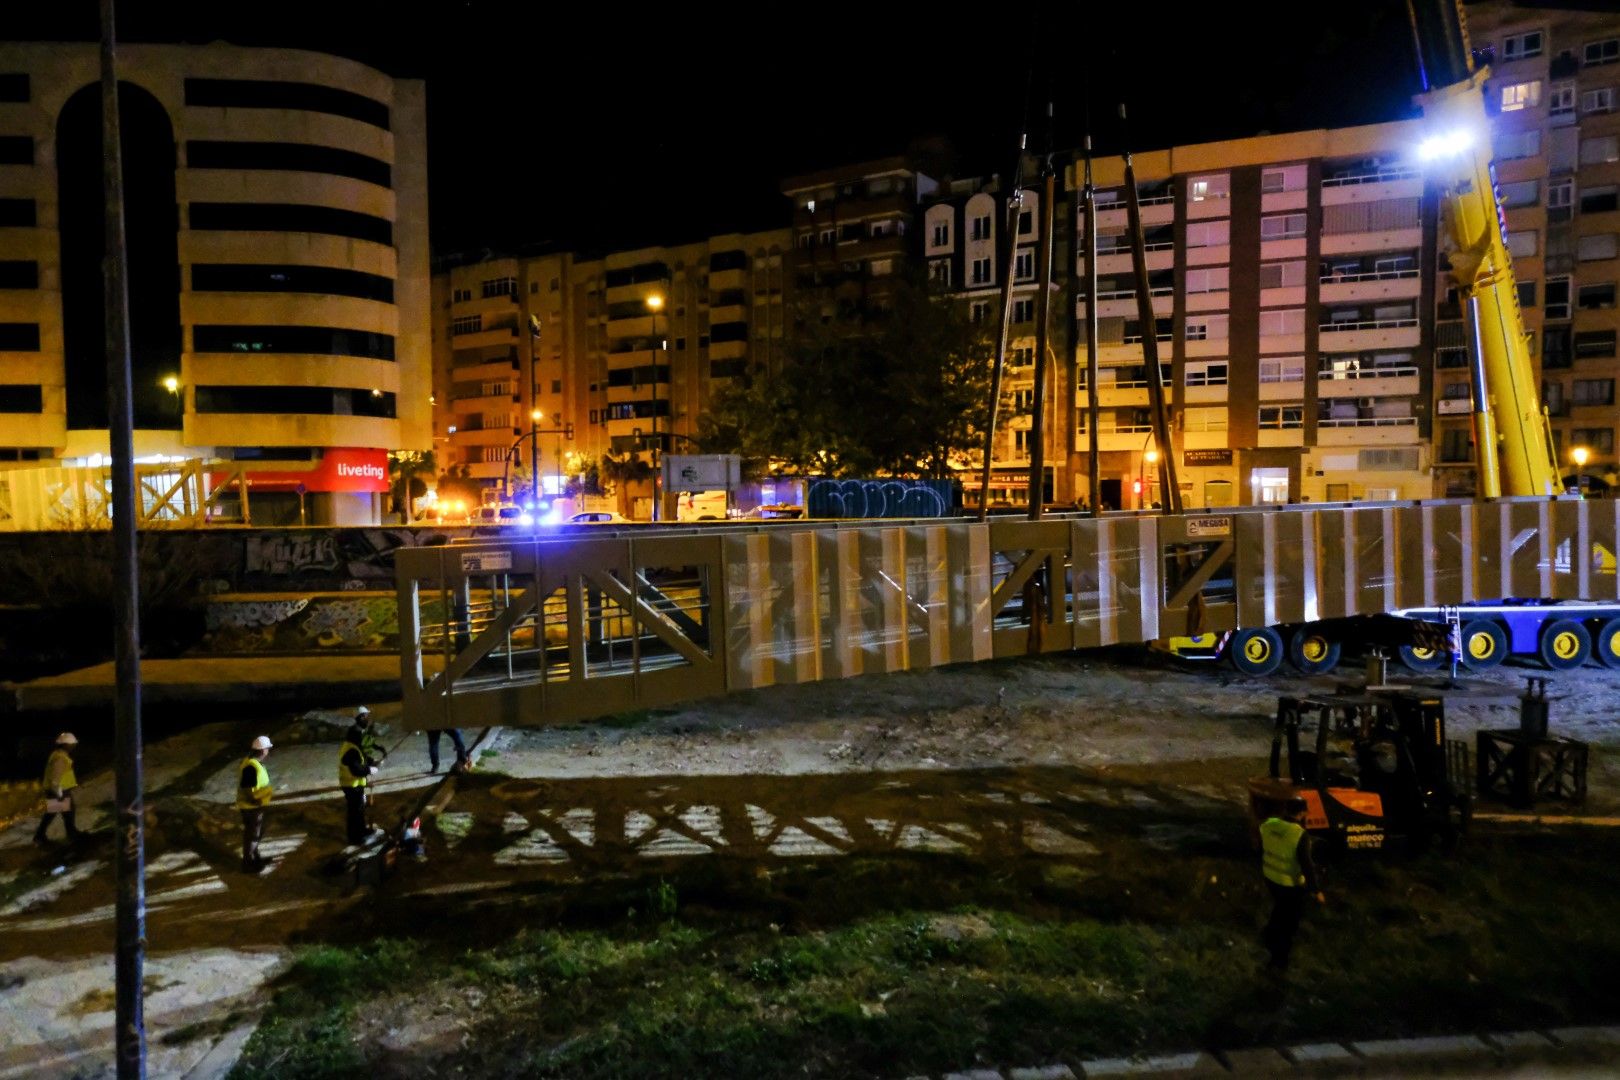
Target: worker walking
x: 252, y: 796
x: 58, y: 785
x: 1285, y: 860
x: 355, y: 768
x: 462, y: 761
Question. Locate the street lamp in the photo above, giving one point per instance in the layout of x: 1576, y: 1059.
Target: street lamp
x: 654, y: 303
x: 534, y: 457
x: 559, y: 430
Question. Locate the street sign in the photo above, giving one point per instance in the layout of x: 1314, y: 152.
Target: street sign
x: 702, y: 472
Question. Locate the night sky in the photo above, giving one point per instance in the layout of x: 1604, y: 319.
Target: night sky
x: 681, y: 120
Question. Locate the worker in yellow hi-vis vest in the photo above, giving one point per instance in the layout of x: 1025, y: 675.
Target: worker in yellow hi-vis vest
x: 252, y: 796
x: 57, y: 785
x: 1285, y: 860
x: 355, y: 769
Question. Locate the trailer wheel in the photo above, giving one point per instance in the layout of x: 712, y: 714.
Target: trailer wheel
x: 1484, y: 645
x: 1256, y: 652
x: 1606, y: 644
x: 1313, y: 652
x: 1565, y: 645
x: 1420, y: 659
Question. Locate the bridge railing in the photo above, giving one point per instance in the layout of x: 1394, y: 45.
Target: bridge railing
x: 548, y: 629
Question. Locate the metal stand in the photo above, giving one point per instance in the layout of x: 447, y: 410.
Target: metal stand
x: 1522, y: 765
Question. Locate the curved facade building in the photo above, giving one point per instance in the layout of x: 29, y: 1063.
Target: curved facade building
x: 276, y: 205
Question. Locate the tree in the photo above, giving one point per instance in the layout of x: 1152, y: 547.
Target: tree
x: 626, y: 469
x: 585, y: 480
x: 405, y: 483
x: 902, y: 390
x: 454, y: 484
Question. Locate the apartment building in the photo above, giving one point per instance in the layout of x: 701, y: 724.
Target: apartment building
x: 276, y: 214
x: 626, y: 350
x: 1553, y: 92
x: 965, y: 253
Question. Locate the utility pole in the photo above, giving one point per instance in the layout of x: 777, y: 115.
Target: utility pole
x: 1094, y: 468
x: 129, y: 809
x: 1014, y: 202
x: 1043, y: 317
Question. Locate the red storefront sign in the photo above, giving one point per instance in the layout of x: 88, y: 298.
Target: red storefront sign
x: 340, y: 469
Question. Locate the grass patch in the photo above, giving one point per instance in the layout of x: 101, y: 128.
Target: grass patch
x: 900, y: 965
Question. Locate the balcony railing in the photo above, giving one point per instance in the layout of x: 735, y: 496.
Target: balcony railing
x: 1365, y: 373
x: 1369, y: 421
x: 1371, y: 275
x: 1375, y: 324
x: 1126, y: 294
x: 1380, y: 177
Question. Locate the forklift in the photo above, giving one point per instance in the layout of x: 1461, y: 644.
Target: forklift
x: 1374, y: 769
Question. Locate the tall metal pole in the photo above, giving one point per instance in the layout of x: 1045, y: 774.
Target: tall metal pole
x: 659, y: 348
x: 1043, y: 316
x: 1094, y: 468
x: 1014, y: 201
x: 130, y: 841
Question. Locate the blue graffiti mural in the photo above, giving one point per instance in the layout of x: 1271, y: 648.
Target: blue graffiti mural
x: 882, y: 498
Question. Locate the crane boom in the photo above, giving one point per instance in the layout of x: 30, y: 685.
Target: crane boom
x: 1511, y: 433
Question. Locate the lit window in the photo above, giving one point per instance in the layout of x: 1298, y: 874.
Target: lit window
x: 1524, y: 95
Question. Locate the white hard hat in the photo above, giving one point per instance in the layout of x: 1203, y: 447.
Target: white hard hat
x: 262, y: 743
x: 362, y: 711
x: 67, y: 738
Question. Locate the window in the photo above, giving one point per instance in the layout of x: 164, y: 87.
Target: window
x: 1523, y: 95
x: 1026, y: 222
x: 506, y: 286
x: 1599, y: 200
x: 1207, y: 279
x: 287, y: 157
x: 1456, y: 445
x: 979, y: 311
x: 1206, y: 373
x: 1283, y: 369
x: 1282, y: 417
x: 20, y: 274
x: 1527, y: 294
x: 1593, y: 392
x: 1595, y: 297
x: 1215, y: 186
x: 828, y: 237
x: 1522, y: 46
x: 1591, y: 343
x: 1282, y: 227
x: 942, y: 234
x: 1600, y: 150
x: 1208, y: 233
x: 290, y: 278
x: 1523, y: 193
x: 1023, y: 311
x: 1601, y: 52
x: 1287, y: 178
x: 981, y: 227
x: 1560, y: 197
x: 16, y: 150
x: 1561, y: 99
x: 1596, y: 248
x: 1282, y: 275
x: 290, y: 217
x: 1024, y: 265
x: 1557, y: 298
x: 21, y: 398
x: 1598, y: 101
x: 939, y: 272
x: 981, y: 271
x: 17, y: 212
x: 466, y: 324
x: 1522, y: 245
x: 304, y: 97
x: 1206, y: 328
x: 1282, y: 321
x: 1517, y: 144
x: 1598, y: 439
x: 315, y: 340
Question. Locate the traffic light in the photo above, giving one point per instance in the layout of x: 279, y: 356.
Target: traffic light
x: 1136, y: 487
x: 568, y: 430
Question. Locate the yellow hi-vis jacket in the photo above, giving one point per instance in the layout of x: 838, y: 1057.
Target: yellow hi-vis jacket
x: 257, y: 796
x: 59, y: 772
x: 345, y: 777
x: 1279, y: 859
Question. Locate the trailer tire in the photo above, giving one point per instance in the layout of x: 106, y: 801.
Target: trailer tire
x: 1313, y: 652
x: 1255, y: 652
x: 1606, y: 644
x: 1422, y: 660
x: 1483, y: 645
x: 1565, y: 644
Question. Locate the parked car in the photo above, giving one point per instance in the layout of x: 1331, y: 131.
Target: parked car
x: 599, y: 517
x: 501, y: 514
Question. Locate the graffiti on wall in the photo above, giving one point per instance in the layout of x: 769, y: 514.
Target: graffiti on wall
x: 881, y: 498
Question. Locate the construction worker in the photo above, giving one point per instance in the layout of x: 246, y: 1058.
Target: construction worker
x: 355, y: 769
x: 1285, y: 860
x: 58, y: 785
x: 463, y: 763
x: 252, y: 796
x: 364, y: 735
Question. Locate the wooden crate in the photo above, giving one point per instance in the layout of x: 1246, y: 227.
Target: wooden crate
x: 1520, y: 769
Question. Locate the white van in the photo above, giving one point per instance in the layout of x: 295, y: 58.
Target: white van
x: 701, y: 506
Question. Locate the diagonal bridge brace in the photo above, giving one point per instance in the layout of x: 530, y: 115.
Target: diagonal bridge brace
x: 1013, y: 584
x: 482, y: 645
x: 662, y: 626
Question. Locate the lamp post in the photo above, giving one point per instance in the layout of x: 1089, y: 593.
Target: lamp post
x: 1149, y: 457
x: 534, y: 456
x: 559, y: 431
x: 654, y: 303
x: 1580, y: 455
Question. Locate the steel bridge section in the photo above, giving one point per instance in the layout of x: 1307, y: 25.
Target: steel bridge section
x: 542, y: 631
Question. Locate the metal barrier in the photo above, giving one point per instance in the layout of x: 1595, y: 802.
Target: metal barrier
x: 539, y: 631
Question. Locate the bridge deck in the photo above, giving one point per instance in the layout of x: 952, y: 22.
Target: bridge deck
x: 538, y: 631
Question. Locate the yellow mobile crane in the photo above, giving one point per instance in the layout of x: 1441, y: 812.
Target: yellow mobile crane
x: 1512, y: 438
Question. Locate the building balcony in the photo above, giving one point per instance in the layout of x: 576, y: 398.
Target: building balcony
x: 1118, y: 438
x: 478, y: 403
x: 1280, y: 437
x: 727, y: 313
x: 484, y: 339
x: 1122, y: 395
x: 638, y: 326
x: 1368, y: 336
x: 727, y: 279
x: 1122, y: 303
x: 1287, y: 247
x: 1210, y: 393
x: 491, y: 369
x: 727, y: 350
x: 1389, y: 285
x: 1159, y: 257
x: 279, y: 429
x: 1212, y: 206
x: 1367, y: 431
x: 1116, y: 218
x: 1275, y: 202
x: 1287, y: 296
x: 1200, y: 347
x: 490, y: 436
x: 1372, y: 187
x: 1370, y: 382
x: 1282, y: 389
x: 35, y: 429
x: 1357, y: 242
x: 1206, y: 440
x: 1210, y: 301
x: 1117, y: 354
x: 1212, y: 255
